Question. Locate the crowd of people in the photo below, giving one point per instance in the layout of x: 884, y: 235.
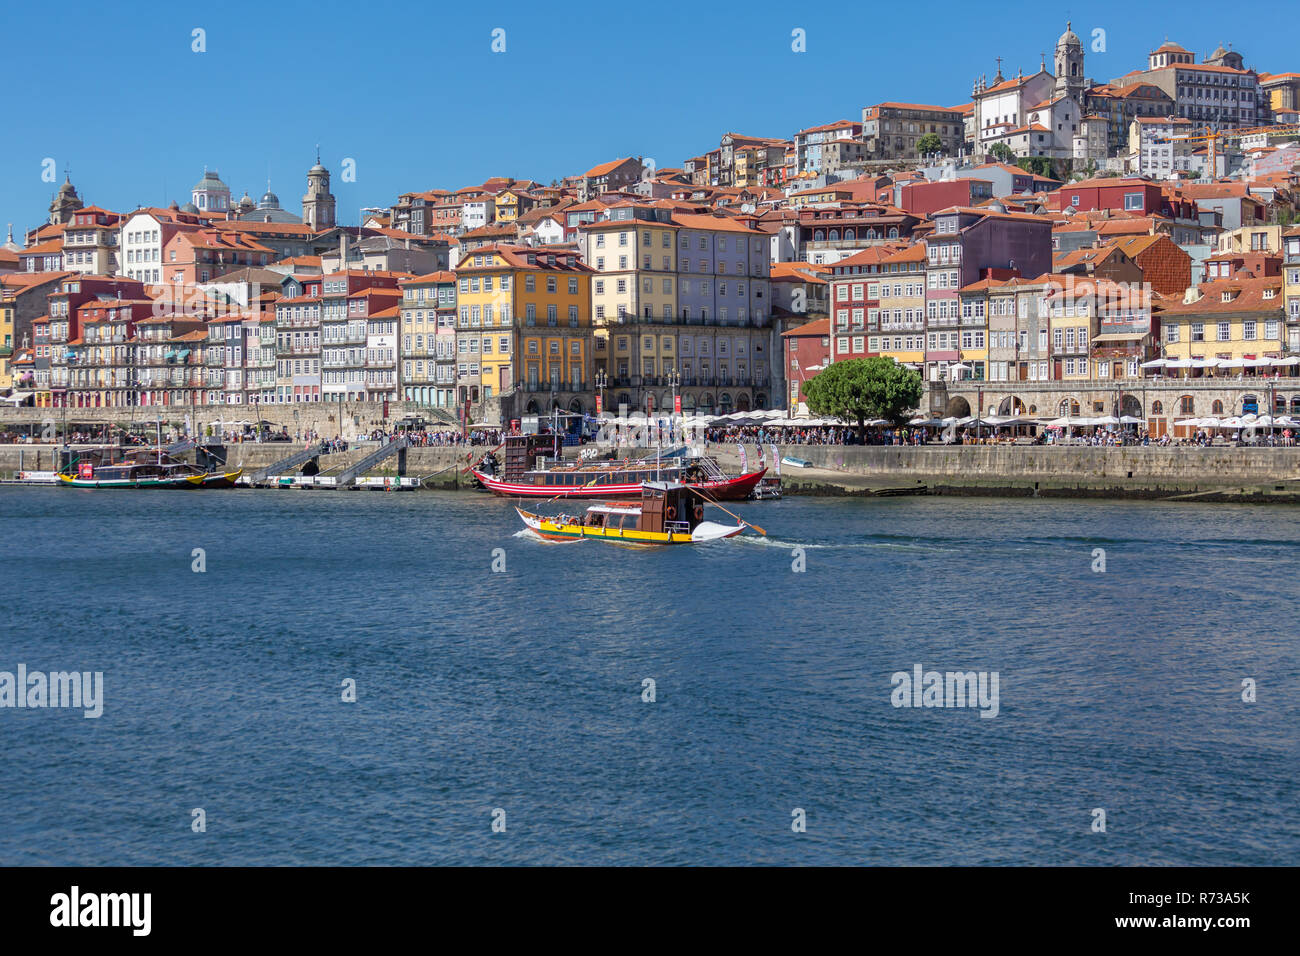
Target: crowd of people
x: 437, y: 438
x: 819, y: 435
x: 669, y: 434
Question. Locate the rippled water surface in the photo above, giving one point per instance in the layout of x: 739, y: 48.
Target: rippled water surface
x: 522, y: 690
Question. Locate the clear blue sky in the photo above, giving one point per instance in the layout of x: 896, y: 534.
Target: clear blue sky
x: 413, y: 92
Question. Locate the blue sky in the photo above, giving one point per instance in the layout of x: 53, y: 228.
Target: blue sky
x: 414, y: 94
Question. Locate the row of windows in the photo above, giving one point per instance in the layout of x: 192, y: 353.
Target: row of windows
x: 1223, y: 331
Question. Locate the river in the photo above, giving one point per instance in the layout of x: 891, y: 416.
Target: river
x: 520, y: 695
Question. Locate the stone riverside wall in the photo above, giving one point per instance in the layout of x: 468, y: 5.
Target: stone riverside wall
x: 1224, y: 465
x: 1118, y: 472
x: 327, y: 419
x: 445, y: 464
x: 1254, y: 474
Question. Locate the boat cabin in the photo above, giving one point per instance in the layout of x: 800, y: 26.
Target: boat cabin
x: 666, y: 507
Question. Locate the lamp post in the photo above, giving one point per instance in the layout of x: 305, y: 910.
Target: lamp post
x: 674, y: 379
x: 602, y: 380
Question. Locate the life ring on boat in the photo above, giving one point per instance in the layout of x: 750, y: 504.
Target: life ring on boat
x: 671, y: 513
x: 699, y: 512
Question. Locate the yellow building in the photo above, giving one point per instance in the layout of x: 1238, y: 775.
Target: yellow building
x: 1072, y: 324
x: 428, y: 341
x: 1258, y: 238
x: 634, y: 282
x: 6, y: 343
x: 511, y: 204
x: 1229, y: 319
x: 900, y: 317
x: 524, y: 316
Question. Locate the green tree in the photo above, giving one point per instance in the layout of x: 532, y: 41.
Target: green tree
x: 858, y: 389
x: 1002, y: 153
x: 929, y: 143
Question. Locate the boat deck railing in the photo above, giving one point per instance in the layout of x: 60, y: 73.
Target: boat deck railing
x: 677, y: 527
x: 711, y: 469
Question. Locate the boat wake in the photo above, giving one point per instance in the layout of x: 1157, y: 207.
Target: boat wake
x: 914, y: 545
x: 531, y: 535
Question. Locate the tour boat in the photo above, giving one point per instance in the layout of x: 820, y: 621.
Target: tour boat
x: 527, y: 474
x: 668, y: 513
x: 141, y: 468
x: 134, y: 475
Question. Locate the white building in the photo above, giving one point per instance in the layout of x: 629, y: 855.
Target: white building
x: 478, y: 213
x: 141, y: 238
x: 1152, y: 152
x: 1038, y: 115
x: 381, y: 354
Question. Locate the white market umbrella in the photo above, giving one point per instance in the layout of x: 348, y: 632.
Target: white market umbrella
x: 1155, y: 363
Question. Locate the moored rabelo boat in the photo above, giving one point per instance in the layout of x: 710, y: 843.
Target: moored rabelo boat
x: 528, y: 473
x: 141, y: 469
x: 668, y: 513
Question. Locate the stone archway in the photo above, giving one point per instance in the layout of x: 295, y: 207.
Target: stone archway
x: 576, y: 406
x: 957, y: 407
x: 532, y: 408
x: 1011, y: 405
x: 742, y: 402
x: 1130, y: 405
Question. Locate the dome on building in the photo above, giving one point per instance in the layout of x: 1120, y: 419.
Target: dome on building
x: 246, y: 201
x: 1069, y: 37
x: 1219, y: 52
x: 269, y: 200
x: 191, y: 208
x: 210, y: 181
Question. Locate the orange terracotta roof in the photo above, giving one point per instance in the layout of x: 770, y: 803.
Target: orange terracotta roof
x: 605, y: 168
x: 815, y: 327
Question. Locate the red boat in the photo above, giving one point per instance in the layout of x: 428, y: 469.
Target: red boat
x: 526, y: 474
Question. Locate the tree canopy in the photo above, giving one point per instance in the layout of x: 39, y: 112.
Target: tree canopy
x: 859, y: 389
x: 929, y: 143
x: 1002, y: 152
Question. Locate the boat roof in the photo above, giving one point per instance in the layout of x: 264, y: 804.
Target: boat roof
x: 616, y: 507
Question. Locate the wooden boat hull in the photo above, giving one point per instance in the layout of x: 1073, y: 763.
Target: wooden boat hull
x: 727, y: 489
x: 547, y: 528
x: 186, y: 481
x: 222, y: 479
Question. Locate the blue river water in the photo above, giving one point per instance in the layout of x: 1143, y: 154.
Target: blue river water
x: 521, y: 690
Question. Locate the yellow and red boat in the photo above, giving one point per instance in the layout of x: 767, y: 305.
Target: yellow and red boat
x: 668, y: 513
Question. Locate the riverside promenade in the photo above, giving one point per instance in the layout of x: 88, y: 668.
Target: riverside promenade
x: 1176, y: 472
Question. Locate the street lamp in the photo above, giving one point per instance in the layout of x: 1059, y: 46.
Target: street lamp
x: 602, y: 380
x: 674, y: 379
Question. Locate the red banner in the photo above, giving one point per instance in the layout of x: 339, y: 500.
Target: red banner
x: 677, y: 404
x: 599, y: 405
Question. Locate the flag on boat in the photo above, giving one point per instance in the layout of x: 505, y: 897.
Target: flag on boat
x: 744, y: 461
x: 776, y: 462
